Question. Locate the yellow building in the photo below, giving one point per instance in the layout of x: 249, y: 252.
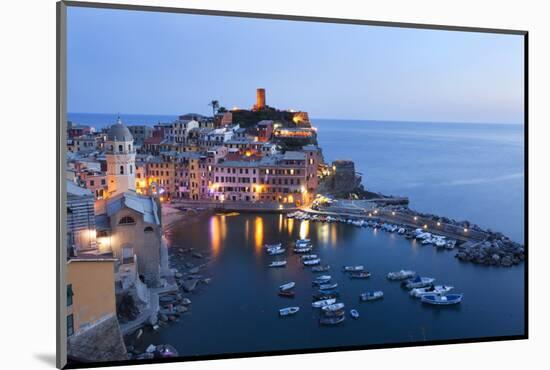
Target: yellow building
x: 90, y: 292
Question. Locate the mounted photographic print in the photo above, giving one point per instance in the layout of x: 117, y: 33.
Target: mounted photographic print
x: 236, y: 185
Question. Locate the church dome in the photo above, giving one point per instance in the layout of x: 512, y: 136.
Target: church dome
x: 119, y: 132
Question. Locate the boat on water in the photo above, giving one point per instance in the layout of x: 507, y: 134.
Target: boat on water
x: 303, y: 250
x: 354, y: 268
x: 322, y: 297
x: 332, y: 320
x: 323, y: 279
x: 442, y: 300
x: 333, y: 307
x: 401, y: 230
x: 432, y: 289
x: 328, y: 291
x: 320, y: 268
x: 401, y: 275
x: 354, y: 313
x: 418, y: 282
x: 274, y: 252
x: 287, y: 286
x: 328, y: 286
x: 323, y: 303
x: 303, y: 241
x: 450, y: 244
x: 371, y: 296
x: 288, y: 311
x: 273, y: 246
x: 312, y: 262
x: 277, y: 264
x: 286, y: 293
x: 309, y: 256
x: 359, y: 275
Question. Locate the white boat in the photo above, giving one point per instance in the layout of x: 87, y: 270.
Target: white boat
x: 354, y: 313
x: 322, y: 279
x: 309, y: 256
x: 312, y: 262
x: 418, y: 282
x: 303, y: 249
x: 450, y: 244
x: 437, y: 289
x: 354, y: 268
x: 333, y: 307
x: 371, y: 296
x: 288, y: 311
x: 442, y: 300
x: 277, y: 264
x: 274, y: 252
x: 328, y: 286
x: 273, y: 246
x: 401, y: 275
x: 287, y: 286
x: 323, y: 303
x: 401, y: 230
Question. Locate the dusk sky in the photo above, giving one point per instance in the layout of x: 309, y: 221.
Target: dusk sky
x: 161, y: 63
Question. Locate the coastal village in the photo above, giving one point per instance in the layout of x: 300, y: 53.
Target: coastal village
x: 120, y: 274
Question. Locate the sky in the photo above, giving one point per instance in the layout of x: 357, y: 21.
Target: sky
x: 134, y: 62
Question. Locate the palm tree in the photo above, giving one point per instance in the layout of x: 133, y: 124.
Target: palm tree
x: 215, y: 105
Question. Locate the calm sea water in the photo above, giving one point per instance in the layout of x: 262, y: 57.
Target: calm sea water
x: 464, y: 171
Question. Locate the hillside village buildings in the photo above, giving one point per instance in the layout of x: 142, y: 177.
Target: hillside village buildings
x: 117, y: 180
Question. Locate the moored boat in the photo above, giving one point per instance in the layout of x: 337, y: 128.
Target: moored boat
x: 303, y: 250
x: 273, y: 246
x: 322, y: 297
x: 401, y: 275
x: 323, y: 302
x: 418, y: 282
x: 333, y: 307
x: 277, y: 264
x: 353, y: 268
x: 320, y: 268
x: 273, y: 252
x: 328, y: 291
x: 432, y: 289
x: 309, y: 256
x: 312, y: 262
x: 371, y: 296
x: 286, y: 293
x: 332, y: 320
x: 323, y: 279
x: 328, y: 286
x: 354, y: 313
x: 288, y: 311
x: 287, y: 286
x: 359, y: 275
x: 442, y: 300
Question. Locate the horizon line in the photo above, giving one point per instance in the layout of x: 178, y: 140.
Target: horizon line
x: 322, y: 118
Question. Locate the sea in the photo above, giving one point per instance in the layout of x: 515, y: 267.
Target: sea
x: 464, y: 171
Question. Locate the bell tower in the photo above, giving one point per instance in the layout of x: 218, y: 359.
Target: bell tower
x: 121, y: 160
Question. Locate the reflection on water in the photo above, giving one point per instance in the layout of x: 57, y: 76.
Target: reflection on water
x: 258, y: 233
x: 217, y: 233
x: 290, y: 226
x: 304, y: 229
x: 280, y: 222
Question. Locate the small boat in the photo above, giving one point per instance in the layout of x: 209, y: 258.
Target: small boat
x: 354, y: 313
x: 450, y: 244
x: 277, y: 264
x: 328, y: 291
x: 288, y: 311
x: 333, y: 313
x: 354, y: 268
x: 286, y: 293
x: 359, y: 275
x: 322, y: 297
x: 371, y: 296
x: 273, y: 252
x: 287, y: 286
x: 309, y: 256
x: 401, y: 230
x: 333, y: 307
x: 432, y: 289
x: 323, y: 279
x: 401, y: 275
x: 312, y: 262
x: 303, y: 250
x: 442, y: 300
x: 328, y: 286
x: 418, y: 282
x: 273, y: 246
x: 320, y: 268
x: 323, y: 303
x: 303, y: 241
x: 331, y: 320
